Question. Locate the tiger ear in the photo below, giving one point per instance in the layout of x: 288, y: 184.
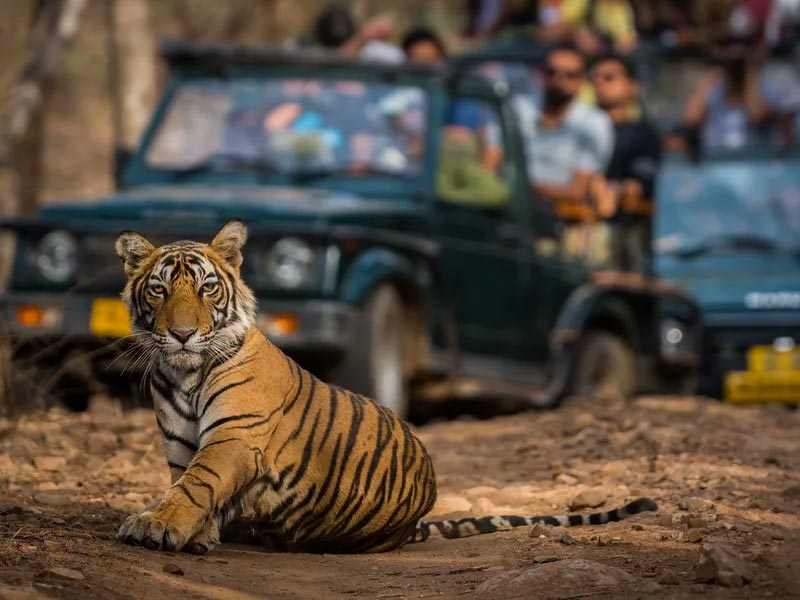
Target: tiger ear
x: 133, y: 249
x: 229, y: 241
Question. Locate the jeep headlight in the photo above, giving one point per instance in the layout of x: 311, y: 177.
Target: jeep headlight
x: 291, y: 263
x: 677, y: 339
x: 56, y: 256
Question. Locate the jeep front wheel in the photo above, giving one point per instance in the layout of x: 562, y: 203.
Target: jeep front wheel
x: 605, y: 367
x: 374, y: 363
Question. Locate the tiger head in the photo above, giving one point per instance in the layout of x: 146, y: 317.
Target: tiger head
x: 187, y: 301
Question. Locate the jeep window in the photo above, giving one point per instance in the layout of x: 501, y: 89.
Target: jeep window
x: 293, y: 126
x: 728, y: 205
x: 472, y: 169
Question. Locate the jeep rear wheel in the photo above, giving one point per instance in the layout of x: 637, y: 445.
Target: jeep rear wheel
x: 374, y: 364
x: 605, y: 367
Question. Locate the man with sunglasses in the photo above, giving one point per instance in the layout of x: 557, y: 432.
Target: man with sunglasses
x: 567, y: 144
x: 624, y: 197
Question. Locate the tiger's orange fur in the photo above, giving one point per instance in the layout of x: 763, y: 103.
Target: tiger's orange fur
x: 252, y: 438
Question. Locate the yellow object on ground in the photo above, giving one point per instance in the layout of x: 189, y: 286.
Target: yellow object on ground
x: 772, y: 376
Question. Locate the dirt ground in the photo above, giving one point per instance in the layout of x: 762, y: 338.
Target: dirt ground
x: 727, y: 481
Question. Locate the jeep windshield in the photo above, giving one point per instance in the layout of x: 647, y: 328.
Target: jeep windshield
x: 728, y: 205
x: 291, y: 128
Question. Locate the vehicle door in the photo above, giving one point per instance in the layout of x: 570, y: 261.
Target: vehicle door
x: 477, y: 227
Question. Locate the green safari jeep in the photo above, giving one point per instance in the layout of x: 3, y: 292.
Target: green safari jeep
x: 392, y: 240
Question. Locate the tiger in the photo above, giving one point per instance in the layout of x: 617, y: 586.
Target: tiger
x: 256, y: 443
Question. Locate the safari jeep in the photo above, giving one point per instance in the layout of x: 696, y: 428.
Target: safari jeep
x: 728, y: 231
x: 392, y: 240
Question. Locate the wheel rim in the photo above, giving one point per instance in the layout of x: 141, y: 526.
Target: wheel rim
x: 388, y: 363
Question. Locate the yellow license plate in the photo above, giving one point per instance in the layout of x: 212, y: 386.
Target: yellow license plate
x: 109, y: 318
x: 752, y: 387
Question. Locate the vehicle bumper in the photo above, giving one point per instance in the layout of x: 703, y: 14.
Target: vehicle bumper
x: 305, y: 327
x: 727, y: 372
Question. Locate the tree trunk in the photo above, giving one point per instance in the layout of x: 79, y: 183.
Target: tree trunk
x: 54, y: 25
x: 132, y: 56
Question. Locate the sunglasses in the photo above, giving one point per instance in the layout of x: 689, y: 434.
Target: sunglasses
x: 607, y: 77
x: 565, y: 73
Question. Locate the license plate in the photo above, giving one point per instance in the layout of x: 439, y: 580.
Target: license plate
x: 771, y: 376
x: 109, y: 318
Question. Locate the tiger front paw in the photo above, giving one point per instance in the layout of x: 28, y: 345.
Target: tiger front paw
x: 155, y: 530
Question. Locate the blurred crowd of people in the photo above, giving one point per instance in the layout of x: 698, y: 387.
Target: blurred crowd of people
x: 592, y: 152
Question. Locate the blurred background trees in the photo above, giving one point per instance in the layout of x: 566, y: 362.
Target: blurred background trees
x: 97, y: 61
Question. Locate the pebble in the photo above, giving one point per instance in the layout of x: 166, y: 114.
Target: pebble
x: 51, y: 545
x: 172, y: 569
x: 579, y: 423
x: 665, y: 519
x: 777, y: 535
x: 52, y: 499
x: 566, y: 479
x: 540, y: 560
x: 481, y: 506
x: 588, y: 498
x: 729, y: 579
x: 719, y: 562
x: 669, y: 578
x: 637, y: 527
x: 566, y: 539
x: 695, y: 535
x: 64, y: 573
x: 539, y: 530
x: 693, y: 522
x: 46, y: 486
x: 49, y: 463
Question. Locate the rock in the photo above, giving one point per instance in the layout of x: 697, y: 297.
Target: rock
x: 450, y: 503
x: 481, y: 506
x: 49, y: 463
x: 480, y: 491
x: 539, y: 530
x: 540, y: 560
x: 52, y: 499
x: 8, y: 592
x: 694, y: 522
x: 650, y: 587
x: 579, y: 423
x: 172, y: 569
x: 683, y: 505
x: 695, y: 535
x: 700, y: 505
x: 588, y: 498
x: 566, y: 479
x: 792, y: 492
x: 729, y: 579
x: 11, y: 510
x: 568, y: 576
x: 46, y: 486
x: 613, y: 468
x: 722, y: 558
x: 566, y: 539
x: 665, y: 519
x: 64, y: 573
x: 777, y: 535
x: 669, y: 578
x: 101, y: 442
x: 637, y: 527
x: 51, y: 545
x: 743, y: 528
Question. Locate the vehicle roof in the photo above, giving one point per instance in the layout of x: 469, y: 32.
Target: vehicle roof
x: 218, y: 57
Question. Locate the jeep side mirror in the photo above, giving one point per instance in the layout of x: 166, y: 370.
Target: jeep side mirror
x: 122, y: 158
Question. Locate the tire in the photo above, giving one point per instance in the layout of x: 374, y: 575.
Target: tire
x: 605, y: 367
x: 374, y: 364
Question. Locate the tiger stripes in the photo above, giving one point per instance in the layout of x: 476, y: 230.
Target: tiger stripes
x: 256, y: 445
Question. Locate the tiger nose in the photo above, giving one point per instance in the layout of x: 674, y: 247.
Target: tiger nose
x: 182, y: 335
